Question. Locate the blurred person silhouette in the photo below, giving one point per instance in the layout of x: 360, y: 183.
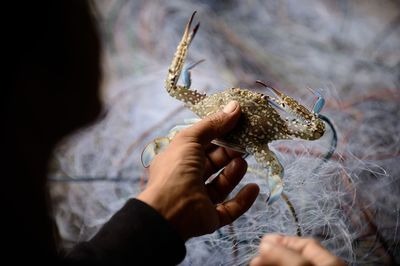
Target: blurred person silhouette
x: 53, y: 53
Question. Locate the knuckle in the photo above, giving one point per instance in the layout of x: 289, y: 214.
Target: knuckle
x: 186, y: 135
x: 277, y: 238
x: 215, y: 121
x: 313, y: 242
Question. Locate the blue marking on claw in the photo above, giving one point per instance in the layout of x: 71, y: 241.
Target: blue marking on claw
x: 186, y: 76
x: 319, y: 104
x: 187, y: 80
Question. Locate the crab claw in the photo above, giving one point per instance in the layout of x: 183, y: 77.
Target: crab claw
x: 275, y: 187
x: 274, y: 102
x: 152, y: 149
x: 319, y: 104
x: 188, y: 26
x: 277, y: 93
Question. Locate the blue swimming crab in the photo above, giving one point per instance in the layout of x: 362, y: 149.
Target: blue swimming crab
x: 260, y: 122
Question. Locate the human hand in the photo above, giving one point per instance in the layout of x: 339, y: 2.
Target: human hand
x: 177, y: 189
x: 275, y: 250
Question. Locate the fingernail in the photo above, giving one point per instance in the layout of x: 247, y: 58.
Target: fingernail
x: 230, y: 107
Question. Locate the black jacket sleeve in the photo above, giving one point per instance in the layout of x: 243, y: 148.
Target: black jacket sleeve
x: 136, y: 235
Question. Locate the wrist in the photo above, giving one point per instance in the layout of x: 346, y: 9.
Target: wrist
x: 163, y: 205
x: 185, y: 214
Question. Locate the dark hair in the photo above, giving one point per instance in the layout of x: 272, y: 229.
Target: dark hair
x: 57, y: 64
x: 53, y: 54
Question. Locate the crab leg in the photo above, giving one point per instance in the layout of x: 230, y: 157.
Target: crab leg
x: 267, y: 159
x: 182, y: 92
x: 306, y: 125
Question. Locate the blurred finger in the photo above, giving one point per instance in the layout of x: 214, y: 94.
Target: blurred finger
x: 275, y: 254
x: 232, y: 209
x: 227, y: 180
x: 256, y: 261
x: 309, y: 248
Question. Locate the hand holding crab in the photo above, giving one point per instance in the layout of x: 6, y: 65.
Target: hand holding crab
x: 177, y: 189
x: 259, y: 124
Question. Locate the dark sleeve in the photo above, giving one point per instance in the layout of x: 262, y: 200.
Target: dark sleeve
x: 136, y: 235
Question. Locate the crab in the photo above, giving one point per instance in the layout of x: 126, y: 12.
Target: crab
x: 260, y: 122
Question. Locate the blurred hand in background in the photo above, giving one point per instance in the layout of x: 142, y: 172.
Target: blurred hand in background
x: 294, y: 251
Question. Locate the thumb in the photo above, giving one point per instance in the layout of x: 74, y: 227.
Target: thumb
x: 215, y: 125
